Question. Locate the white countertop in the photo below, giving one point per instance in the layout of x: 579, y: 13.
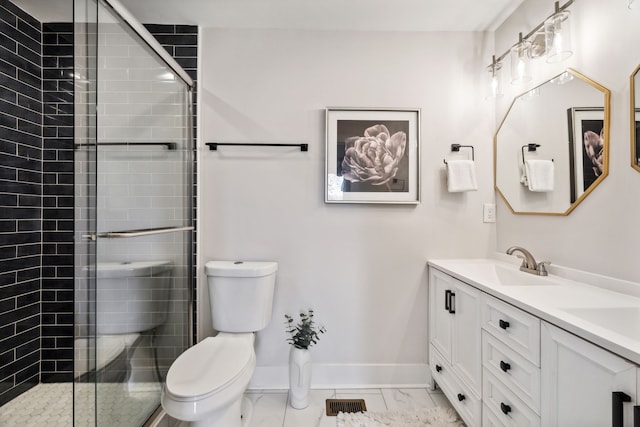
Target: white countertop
x: 606, y: 318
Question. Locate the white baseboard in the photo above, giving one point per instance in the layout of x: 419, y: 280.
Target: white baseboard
x: 343, y: 376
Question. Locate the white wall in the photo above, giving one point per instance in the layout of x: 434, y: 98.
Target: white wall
x: 361, y: 267
x: 600, y: 235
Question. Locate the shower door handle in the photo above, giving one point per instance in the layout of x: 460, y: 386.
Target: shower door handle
x: 137, y: 233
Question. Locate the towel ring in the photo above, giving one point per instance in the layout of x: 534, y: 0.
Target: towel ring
x: 530, y: 147
x: 457, y: 147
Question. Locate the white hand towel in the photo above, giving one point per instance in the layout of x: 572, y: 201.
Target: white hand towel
x: 540, y: 175
x: 461, y: 176
x: 523, y: 179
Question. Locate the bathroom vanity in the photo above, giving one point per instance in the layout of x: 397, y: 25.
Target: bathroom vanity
x: 510, y: 348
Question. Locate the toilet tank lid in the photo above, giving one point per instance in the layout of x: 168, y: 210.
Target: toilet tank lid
x: 240, y: 268
x: 129, y: 269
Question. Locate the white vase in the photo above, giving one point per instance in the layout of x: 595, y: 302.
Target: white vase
x: 299, y: 377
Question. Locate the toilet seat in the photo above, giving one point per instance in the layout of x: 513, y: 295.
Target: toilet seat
x: 210, y: 366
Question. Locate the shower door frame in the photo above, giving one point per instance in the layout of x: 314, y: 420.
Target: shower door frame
x: 88, y: 238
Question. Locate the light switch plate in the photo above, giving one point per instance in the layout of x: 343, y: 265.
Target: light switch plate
x: 489, y: 212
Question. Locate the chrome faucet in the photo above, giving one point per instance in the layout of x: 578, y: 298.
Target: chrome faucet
x: 529, y: 264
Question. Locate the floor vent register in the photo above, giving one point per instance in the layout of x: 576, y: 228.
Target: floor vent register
x: 345, y: 405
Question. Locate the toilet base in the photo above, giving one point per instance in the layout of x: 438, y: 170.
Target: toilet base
x: 247, y: 411
x: 237, y: 415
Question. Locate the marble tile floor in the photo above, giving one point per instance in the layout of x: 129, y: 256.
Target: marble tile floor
x: 271, y: 408
x: 50, y: 405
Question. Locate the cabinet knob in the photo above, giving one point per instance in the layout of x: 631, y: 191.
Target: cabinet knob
x: 503, y: 324
x: 438, y: 368
x: 461, y: 397
x: 505, y: 366
x: 505, y: 408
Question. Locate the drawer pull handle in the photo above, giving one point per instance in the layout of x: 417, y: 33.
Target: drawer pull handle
x: 618, y: 399
x: 505, y: 408
x: 505, y: 366
x: 450, y: 301
x: 503, y: 324
x: 461, y: 397
x: 438, y: 368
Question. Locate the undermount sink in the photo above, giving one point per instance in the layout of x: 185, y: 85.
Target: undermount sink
x: 498, y: 274
x: 622, y: 320
x: 514, y: 277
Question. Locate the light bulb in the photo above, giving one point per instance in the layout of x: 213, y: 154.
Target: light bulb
x: 520, y: 62
x: 495, y: 84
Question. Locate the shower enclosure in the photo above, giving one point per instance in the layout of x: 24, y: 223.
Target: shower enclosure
x: 133, y: 192
x: 109, y: 153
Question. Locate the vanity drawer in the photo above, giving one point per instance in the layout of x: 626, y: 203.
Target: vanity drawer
x: 465, y: 402
x: 520, y: 375
x: 489, y: 419
x: 520, y: 331
x: 506, y: 408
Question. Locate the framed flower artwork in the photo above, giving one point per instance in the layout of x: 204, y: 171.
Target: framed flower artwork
x: 372, y: 155
x: 587, y: 148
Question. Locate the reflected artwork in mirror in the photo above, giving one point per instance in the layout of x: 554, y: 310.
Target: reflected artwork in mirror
x: 552, y: 147
x: 634, y: 86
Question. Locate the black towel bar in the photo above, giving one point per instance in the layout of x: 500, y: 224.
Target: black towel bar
x: 169, y: 145
x: 213, y: 146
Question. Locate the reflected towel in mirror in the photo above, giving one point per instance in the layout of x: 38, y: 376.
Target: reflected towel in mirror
x: 539, y: 175
x: 461, y: 176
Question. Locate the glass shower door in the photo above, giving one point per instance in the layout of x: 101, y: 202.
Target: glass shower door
x: 137, y: 300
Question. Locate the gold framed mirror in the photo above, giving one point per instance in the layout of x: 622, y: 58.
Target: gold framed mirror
x: 634, y: 89
x: 552, y: 148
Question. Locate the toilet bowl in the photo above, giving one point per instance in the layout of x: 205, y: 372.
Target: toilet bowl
x: 208, y: 379
x: 205, y: 385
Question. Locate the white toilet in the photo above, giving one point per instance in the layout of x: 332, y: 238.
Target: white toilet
x: 206, y: 383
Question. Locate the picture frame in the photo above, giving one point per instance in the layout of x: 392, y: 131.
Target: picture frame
x: 586, y: 148
x: 636, y: 138
x: 372, y: 155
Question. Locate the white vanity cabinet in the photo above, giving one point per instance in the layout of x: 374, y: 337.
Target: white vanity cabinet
x: 502, y: 366
x: 455, y: 343
x: 579, y: 380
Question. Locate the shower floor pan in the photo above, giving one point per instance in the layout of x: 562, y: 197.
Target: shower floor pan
x: 51, y: 405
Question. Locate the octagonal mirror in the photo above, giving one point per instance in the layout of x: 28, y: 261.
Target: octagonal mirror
x: 552, y: 147
x: 635, y: 118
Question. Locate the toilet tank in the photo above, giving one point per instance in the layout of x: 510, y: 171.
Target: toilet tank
x: 132, y: 296
x: 241, y: 294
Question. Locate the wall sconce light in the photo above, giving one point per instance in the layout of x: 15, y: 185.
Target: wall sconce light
x: 550, y: 38
x: 557, y: 35
x: 521, y: 61
x: 495, y: 73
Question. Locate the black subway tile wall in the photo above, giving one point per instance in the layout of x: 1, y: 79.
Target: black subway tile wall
x: 57, y: 215
x: 181, y: 41
x: 20, y: 200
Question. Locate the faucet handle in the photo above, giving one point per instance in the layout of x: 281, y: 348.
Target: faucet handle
x: 542, y: 268
x: 524, y: 261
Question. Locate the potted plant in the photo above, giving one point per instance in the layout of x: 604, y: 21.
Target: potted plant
x: 302, y: 335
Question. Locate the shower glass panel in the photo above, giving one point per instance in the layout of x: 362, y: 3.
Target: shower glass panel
x: 135, y: 278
